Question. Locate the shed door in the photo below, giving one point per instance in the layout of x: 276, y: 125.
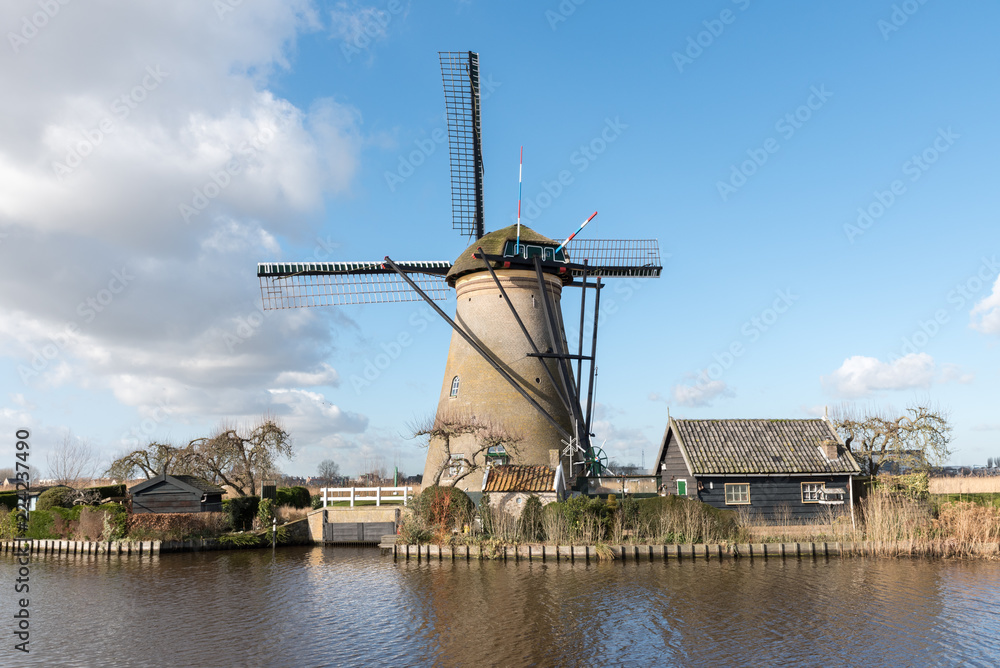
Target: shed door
x: 682, y: 488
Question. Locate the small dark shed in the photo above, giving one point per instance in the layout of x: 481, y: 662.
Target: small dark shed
x: 792, y: 468
x: 176, y: 494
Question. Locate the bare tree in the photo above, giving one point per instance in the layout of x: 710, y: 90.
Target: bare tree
x: 239, y: 457
x: 328, y: 471
x: 71, y: 462
x: 477, y: 438
x: 918, y: 438
x: 373, y: 470
x: 151, y: 461
x: 6, y: 473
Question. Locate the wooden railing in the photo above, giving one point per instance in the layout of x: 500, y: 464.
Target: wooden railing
x: 379, y: 494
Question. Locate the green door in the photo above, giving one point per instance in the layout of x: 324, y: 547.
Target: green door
x: 682, y: 488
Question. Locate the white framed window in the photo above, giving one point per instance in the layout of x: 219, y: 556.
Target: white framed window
x: 454, y: 386
x: 737, y: 493
x: 812, y: 492
x: 456, y: 465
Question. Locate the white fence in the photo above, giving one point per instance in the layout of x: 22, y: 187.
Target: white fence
x: 379, y: 494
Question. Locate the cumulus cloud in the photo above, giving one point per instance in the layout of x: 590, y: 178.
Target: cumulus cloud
x: 700, y: 393
x: 861, y: 376
x: 146, y: 166
x: 985, y: 315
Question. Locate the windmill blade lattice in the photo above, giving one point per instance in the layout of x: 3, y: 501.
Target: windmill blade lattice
x: 460, y: 71
x: 616, y: 257
x: 305, y: 284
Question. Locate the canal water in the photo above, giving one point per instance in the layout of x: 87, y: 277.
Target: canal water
x: 317, y: 606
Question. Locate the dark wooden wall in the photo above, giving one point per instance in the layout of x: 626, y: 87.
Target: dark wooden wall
x: 767, y: 495
x: 676, y: 468
x: 165, y: 498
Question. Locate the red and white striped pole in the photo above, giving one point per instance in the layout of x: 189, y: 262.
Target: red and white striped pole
x: 570, y: 238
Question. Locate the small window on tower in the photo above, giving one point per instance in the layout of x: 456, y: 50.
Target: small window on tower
x: 454, y: 386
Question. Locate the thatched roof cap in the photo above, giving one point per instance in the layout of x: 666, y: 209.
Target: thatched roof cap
x: 492, y: 244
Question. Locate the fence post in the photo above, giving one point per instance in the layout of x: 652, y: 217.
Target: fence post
x: 378, y: 496
x: 352, y: 497
x: 323, y: 492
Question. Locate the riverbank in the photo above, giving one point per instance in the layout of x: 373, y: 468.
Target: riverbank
x: 689, y: 551
x: 293, y: 533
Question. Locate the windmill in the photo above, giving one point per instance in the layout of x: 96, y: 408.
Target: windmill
x: 509, y: 363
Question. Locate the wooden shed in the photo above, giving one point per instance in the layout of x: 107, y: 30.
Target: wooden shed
x: 176, y: 494
x: 790, y: 468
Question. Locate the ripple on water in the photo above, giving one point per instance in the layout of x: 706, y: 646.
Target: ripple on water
x: 350, y: 606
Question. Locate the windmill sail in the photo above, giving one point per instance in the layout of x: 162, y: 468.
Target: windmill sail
x: 304, y: 284
x: 460, y: 71
x: 616, y: 257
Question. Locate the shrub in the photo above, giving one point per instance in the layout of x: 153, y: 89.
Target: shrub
x: 675, y: 519
x: 240, y: 539
x: 56, y: 497
x: 107, y: 522
x: 265, y: 512
x: 8, y: 525
x: 586, y: 519
x: 241, y: 511
x: 530, y: 523
x: 176, y: 526
x: 296, y: 497
x: 442, y: 508
x: 300, y: 497
x: 40, y: 525
x: 317, y: 501
x: 8, y: 499
x: 412, y: 530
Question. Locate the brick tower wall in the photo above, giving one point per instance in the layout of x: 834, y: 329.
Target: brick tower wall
x: 483, y: 393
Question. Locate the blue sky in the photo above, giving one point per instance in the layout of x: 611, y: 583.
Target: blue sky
x: 820, y: 176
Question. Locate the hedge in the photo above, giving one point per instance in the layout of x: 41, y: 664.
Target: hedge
x: 54, y: 498
x: 296, y: 497
x: 241, y: 511
x: 8, y: 499
x: 107, y: 491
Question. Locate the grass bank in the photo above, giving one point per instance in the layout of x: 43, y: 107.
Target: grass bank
x: 892, y: 523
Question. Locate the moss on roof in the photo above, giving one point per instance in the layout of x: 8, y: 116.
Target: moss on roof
x: 492, y: 244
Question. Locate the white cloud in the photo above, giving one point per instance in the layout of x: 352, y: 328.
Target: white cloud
x: 326, y: 375
x: 626, y: 445
x: 953, y: 372
x: 701, y: 393
x: 113, y: 117
x: 357, y: 26
x: 985, y: 315
x: 860, y: 376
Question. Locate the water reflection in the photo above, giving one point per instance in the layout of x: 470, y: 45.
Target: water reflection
x: 316, y: 606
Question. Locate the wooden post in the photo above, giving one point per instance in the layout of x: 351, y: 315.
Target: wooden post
x: 352, y: 497
x: 378, y: 496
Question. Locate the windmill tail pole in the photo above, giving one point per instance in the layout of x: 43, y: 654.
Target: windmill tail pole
x: 520, y: 167
x: 570, y: 238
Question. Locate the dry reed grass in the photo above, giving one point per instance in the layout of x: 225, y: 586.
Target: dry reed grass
x: 893, y: 525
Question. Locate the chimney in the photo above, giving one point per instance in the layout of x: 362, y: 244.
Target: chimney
x: 830, y: 449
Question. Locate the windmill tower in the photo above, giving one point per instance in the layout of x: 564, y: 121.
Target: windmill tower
x: 509, y: 367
